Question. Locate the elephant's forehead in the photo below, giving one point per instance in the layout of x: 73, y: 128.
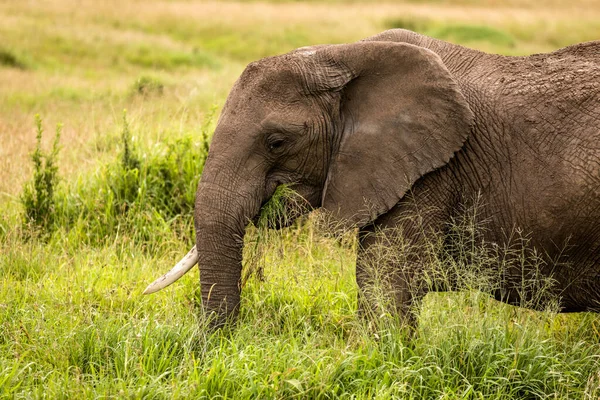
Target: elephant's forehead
x: 269, y: 89
x: 272, y: 76
x: 265, y: 113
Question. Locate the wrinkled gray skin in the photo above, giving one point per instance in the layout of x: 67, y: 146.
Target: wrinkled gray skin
x: 374, y: 129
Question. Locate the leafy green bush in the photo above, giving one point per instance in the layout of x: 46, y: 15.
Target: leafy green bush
x: 38, y: 198
x: 10, y: 59
x: 147, y: 197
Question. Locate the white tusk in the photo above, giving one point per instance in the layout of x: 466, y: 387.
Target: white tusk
x: 177, y: 272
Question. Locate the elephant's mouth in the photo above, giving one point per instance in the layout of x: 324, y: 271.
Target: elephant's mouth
x: 262, y: 213
x: 287, y: 203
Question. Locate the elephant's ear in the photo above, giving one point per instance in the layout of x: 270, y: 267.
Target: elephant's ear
x: 403, y: 116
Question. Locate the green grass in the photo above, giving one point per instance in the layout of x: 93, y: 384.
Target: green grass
x: 73, y: 322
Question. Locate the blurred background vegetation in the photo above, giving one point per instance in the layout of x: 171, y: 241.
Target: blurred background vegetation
x: 81, y: 63
x: 85, y: 225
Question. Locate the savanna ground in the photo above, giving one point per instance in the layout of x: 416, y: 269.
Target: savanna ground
x: 113, y: 211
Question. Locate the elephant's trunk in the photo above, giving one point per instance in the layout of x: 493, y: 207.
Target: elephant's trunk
x: 221, y: 216
x: 229, y: 195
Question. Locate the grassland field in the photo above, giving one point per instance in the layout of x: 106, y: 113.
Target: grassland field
x: 114, y: 210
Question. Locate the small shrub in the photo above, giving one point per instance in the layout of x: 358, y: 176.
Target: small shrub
x: 125, y: 182
x: 147, y: 85
x: 38, y: 198
x: 129, y: 159
x: 9, y: 59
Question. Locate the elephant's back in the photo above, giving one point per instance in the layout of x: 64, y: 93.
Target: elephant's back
x: 549, y: 106
x: 536, y: 161
x: 586, y: 51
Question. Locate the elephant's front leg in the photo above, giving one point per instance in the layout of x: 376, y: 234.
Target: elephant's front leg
x: 394, y: 258
x: 389, y: 280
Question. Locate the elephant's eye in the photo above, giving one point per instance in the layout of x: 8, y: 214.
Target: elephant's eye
x: 275, y: 144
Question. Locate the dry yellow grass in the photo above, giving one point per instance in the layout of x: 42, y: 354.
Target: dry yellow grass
x: 78, y: 76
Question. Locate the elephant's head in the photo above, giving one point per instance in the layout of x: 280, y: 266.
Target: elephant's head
x: 349, y: 127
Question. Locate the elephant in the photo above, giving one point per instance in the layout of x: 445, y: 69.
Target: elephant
x: 369, y: 131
